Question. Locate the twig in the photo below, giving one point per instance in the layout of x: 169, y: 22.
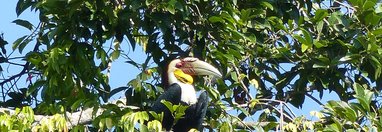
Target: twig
x: 12, y: 63
x: 345, y: 5
x: 23, y: 71
x: 281, y: 111
x: 314, y: 99
x: 281, y: 117
x: 20, y: 57
x: 279, y: 101
x: 245, y: 88
x: 32, y: 35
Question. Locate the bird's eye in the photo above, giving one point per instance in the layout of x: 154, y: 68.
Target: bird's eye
x: 178, y: 65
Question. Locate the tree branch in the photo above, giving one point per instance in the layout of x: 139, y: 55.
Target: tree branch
x: 245, y: 88
x: 75, y: 118
x: 23, y: 71
x: 314, y: 99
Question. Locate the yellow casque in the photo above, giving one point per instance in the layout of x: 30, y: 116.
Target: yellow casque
x: 183, y: 77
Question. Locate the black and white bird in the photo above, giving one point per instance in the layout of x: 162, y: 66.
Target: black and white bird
x: 180, y: 90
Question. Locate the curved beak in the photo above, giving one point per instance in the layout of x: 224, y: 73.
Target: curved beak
x: 198, y: 67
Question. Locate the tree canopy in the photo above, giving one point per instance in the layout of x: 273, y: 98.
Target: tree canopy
x: 271, y: 52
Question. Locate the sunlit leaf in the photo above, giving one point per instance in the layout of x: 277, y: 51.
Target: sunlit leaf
x: 18, y: 41
x: 115, y: 54
x: 268, y: 5
x: 109, y: 123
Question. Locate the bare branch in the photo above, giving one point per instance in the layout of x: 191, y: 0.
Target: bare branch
x: 23, y: 71
x: 314, y: 99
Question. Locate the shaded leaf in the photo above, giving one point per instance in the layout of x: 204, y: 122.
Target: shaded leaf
x: 24, y: 23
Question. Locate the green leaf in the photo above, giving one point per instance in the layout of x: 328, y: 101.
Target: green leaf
x: 115, y: 55
x: 77, y: 104
x: 308, y: 37
x: 34, y: 58
x: 319, y: 44
x: 368, y: 4
x: 157, y: 116
x: 116, y: 44
x: 306, y: 41
x: 22, y: 5
x: 225, y: 127
x: 101, y: 54
x: 117, y: 90
x: 377, y: 32
x: 234, y: 2
x: 350, y: 57
x: 140, y: 116
x: 214, y: 92
x: 335, y: 127
x: 23, y: 44
x: 109, y: 123
x: 168, y: 105
x: 351, y: 130
x: 143, y: 128
x: 319, y: 27
x: 180, y: 111
x: 215, y: 19
x: 364, y: 96
x: 154, y: 125
x: 304, y: 47
x: 376, y: 65
x: 148, y: 2
x: 171, y: 6
x: 299, y: 38
x: 234, y: 77
x: 320, y: 14
x: 351, y: 115
x: 267, y: 5
x: 372, y: 19
x: 24, y: 23
x: 18, y: 41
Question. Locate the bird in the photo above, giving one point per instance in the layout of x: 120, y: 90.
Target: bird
x: 180, y: 90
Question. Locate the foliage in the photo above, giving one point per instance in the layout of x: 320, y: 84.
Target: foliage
x: 271, y: 53
x: 21, y: 120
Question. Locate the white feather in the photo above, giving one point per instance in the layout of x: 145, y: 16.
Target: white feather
x: 188, y: 93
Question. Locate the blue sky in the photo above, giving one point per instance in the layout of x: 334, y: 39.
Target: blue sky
x: 121, y: 72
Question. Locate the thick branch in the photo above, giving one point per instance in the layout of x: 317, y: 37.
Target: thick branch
x: 75, y: 118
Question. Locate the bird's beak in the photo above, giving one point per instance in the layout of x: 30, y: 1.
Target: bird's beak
x: 198, y: 67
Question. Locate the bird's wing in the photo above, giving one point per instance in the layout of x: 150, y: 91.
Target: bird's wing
x: 201, y: 109
x: 194, y: 115
x: 172, y: 94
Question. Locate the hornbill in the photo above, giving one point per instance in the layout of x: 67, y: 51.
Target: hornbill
x: 181, y: 91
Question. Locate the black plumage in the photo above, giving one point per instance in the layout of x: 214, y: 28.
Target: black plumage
x: 194, y: 114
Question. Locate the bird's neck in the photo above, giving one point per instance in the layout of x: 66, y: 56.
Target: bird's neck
x: 188, y: 93
x: 171, y: 78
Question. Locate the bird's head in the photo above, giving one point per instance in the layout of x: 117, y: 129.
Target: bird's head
x: 182, y: 70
